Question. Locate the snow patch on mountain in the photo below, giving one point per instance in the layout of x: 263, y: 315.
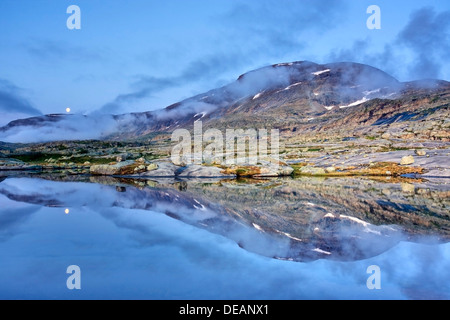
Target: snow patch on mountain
x: 292, y: 85
x: 364, y: 99
x: 321, y: 251
x: 202, y: 114
x: 368, y: 95
x: 320, y: 72
x: 257, y: 227
x: 257, y: 95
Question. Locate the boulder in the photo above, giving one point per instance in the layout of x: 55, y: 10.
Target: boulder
x: 121, y: 158
x: 121, y: 168
x: 140, y: 168
x: 421, y: 153
x: 310, y: 170
x: 242, y: 170
x: 407, y: 160
x: 263, y: 169
x: 330, y: 169
x: 152, y: 166
x: 140, y: 160
x: 273, y: 170
x: 163, y: 170
x: 198, y: 171
x: 408, y: 188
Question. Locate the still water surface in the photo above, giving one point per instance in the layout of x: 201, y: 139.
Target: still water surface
x: 302, y: 238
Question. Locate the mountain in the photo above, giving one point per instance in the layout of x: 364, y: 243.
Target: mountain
x: 299, y: 98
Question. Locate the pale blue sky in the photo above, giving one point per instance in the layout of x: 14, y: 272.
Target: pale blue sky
x: 138, y: 55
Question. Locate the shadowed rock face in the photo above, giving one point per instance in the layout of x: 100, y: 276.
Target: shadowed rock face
x: 293, y: 219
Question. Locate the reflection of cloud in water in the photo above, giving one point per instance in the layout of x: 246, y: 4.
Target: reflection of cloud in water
x: 144, y: 254
x: 168, y: 259
x: 341, y: 238
x: 12, y: 216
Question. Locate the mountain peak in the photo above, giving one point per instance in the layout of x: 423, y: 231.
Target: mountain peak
x: 273, y: 95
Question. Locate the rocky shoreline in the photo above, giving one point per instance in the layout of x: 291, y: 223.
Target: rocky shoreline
x: 416, y: 163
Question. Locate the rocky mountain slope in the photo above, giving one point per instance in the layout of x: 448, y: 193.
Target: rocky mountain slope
x: 305, y: 100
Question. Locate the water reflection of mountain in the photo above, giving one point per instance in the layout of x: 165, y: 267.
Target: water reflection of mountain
x: 294, y: 219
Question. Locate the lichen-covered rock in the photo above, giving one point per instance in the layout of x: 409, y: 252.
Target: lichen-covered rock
x: 408, y: 187
x: 152, y: 166
x: 330, y: 169
x: 407, y: 160
x: 140, y: 168
x: 121, y: 168
x: 267, y: 169
x: 310, y: 170
x: 275, y: 171
x: 163, y: 170
x: 121, y: 158
x: 140, y: 160
x: 198, y: 171
x: 421, y: 153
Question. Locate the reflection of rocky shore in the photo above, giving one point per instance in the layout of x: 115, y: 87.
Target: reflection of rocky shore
x: 417, y: 207
x: 299, y: 219
x: 336, y: 214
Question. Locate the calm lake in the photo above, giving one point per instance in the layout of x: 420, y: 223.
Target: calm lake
x: 303, y: 238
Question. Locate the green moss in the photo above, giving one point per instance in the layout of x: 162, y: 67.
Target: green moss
x: 35, y: 157
x: 297, y: 168
x: 92, y: 160
x: 241, y: 172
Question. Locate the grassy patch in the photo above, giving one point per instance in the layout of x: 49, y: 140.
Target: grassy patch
x: 297, y: 167
x: 92, y: 160
x: 35, y: 157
